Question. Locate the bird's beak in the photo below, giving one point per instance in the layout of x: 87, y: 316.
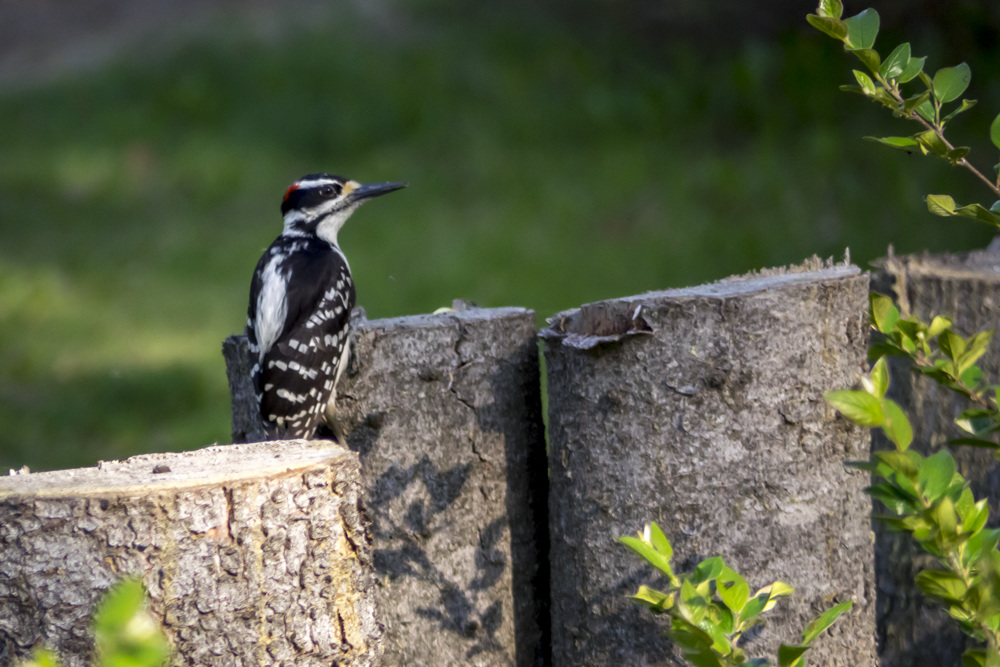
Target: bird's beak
x: 361, y: 191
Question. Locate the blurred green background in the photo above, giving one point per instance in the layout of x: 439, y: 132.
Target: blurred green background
x: 558, y: 153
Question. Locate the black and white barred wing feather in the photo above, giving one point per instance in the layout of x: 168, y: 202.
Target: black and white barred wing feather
x: 298, y: 333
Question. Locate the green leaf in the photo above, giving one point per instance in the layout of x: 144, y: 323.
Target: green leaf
x: 934, y: 476
x: 926, y: 110
x: 720, y: 642
x: 894, y: 65
x: 658, y: 540
x: 985, y: 541
x: 972, y: 375
x: 870, y: 59
x: 704, y: 658
x: 977, y: 421
x: 831, y: 8
x: 938, y: 324
x: 707, y: 570
x: 975, y: 519
x: 690, y: 638
x: 862, y: 29
x: 947, y: 518
x: 657, y: 601
x: 776, y: 590
x: 788, y: 655
x: 912, y: 70
x: 865, y: 81
x: 941, y: 205
x: 995, y: 131
x: 723, y: 618
x: 951, y: 344
x: 119, y: 605
x: 931, y: 143
x: 693, y: 606
x: 979, y: 342
x: 949, y: 82
x: 733, y: 590
x: 125, y: 634
x: 753, y: 608
x: 897, y: 426
x: 892, y: 497
x: 908, y: 463
x: 825, y: 620
x: 859, y: 406
x: 974, y: 442
x: 902, y: 143
x: 980, y: 213
x: 867, y: 466
x: 966, y: 105
x: 884, y: 313
x: 974, y: 657
x: 645, y: 550
x: 910, y: 104
x: 827, y: 24
x: 941, y: 585
x: 880, y: 378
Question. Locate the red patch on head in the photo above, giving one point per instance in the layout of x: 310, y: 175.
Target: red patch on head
x: 288, y: 193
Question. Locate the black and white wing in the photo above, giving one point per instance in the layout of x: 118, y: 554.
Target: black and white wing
x: 298, y: 324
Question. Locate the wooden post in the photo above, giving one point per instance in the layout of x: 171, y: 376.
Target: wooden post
x: 702, y: 409
x: 445, y: 413
x: 914, y: 631
x: 252, y: 555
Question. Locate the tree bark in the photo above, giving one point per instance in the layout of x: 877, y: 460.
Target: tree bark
x: 966, y: 287
x: 702, y: 409
x: 445, y: 413
x: 252, y: 555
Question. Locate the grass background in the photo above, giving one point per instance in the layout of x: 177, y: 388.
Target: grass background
x: 555, y: 156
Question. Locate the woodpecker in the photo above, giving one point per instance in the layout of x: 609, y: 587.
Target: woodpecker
x: 301, y: 298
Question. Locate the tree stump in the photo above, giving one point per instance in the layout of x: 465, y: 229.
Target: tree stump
x: 702, y: 409
x: 252, y: 555
x: 445, y: 413
x: 913, y: 630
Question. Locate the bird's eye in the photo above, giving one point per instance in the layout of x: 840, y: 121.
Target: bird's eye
x: 327, y: 191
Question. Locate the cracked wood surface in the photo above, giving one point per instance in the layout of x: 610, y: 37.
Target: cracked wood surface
x: 445, y: 413
x: 708, y: 417
x: 252, y: 554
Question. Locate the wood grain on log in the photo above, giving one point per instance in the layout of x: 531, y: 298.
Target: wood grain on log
x: 702, y: 409
x: 252, y: 554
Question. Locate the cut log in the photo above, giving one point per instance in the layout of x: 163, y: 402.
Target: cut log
x: 445, y: 412
x: 702, y: 409
x: 252, y: 555
x: 913, y: 630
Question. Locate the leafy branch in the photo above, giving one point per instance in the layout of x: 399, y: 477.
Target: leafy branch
x: 938, y: 352
x: 883, y: 83
x: 927, y: 497
x: 711, y: 607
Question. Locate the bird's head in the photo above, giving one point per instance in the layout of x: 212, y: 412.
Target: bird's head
x: 320, y: 204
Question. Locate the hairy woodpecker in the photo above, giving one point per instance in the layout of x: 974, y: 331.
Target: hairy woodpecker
x: 301, y: 298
